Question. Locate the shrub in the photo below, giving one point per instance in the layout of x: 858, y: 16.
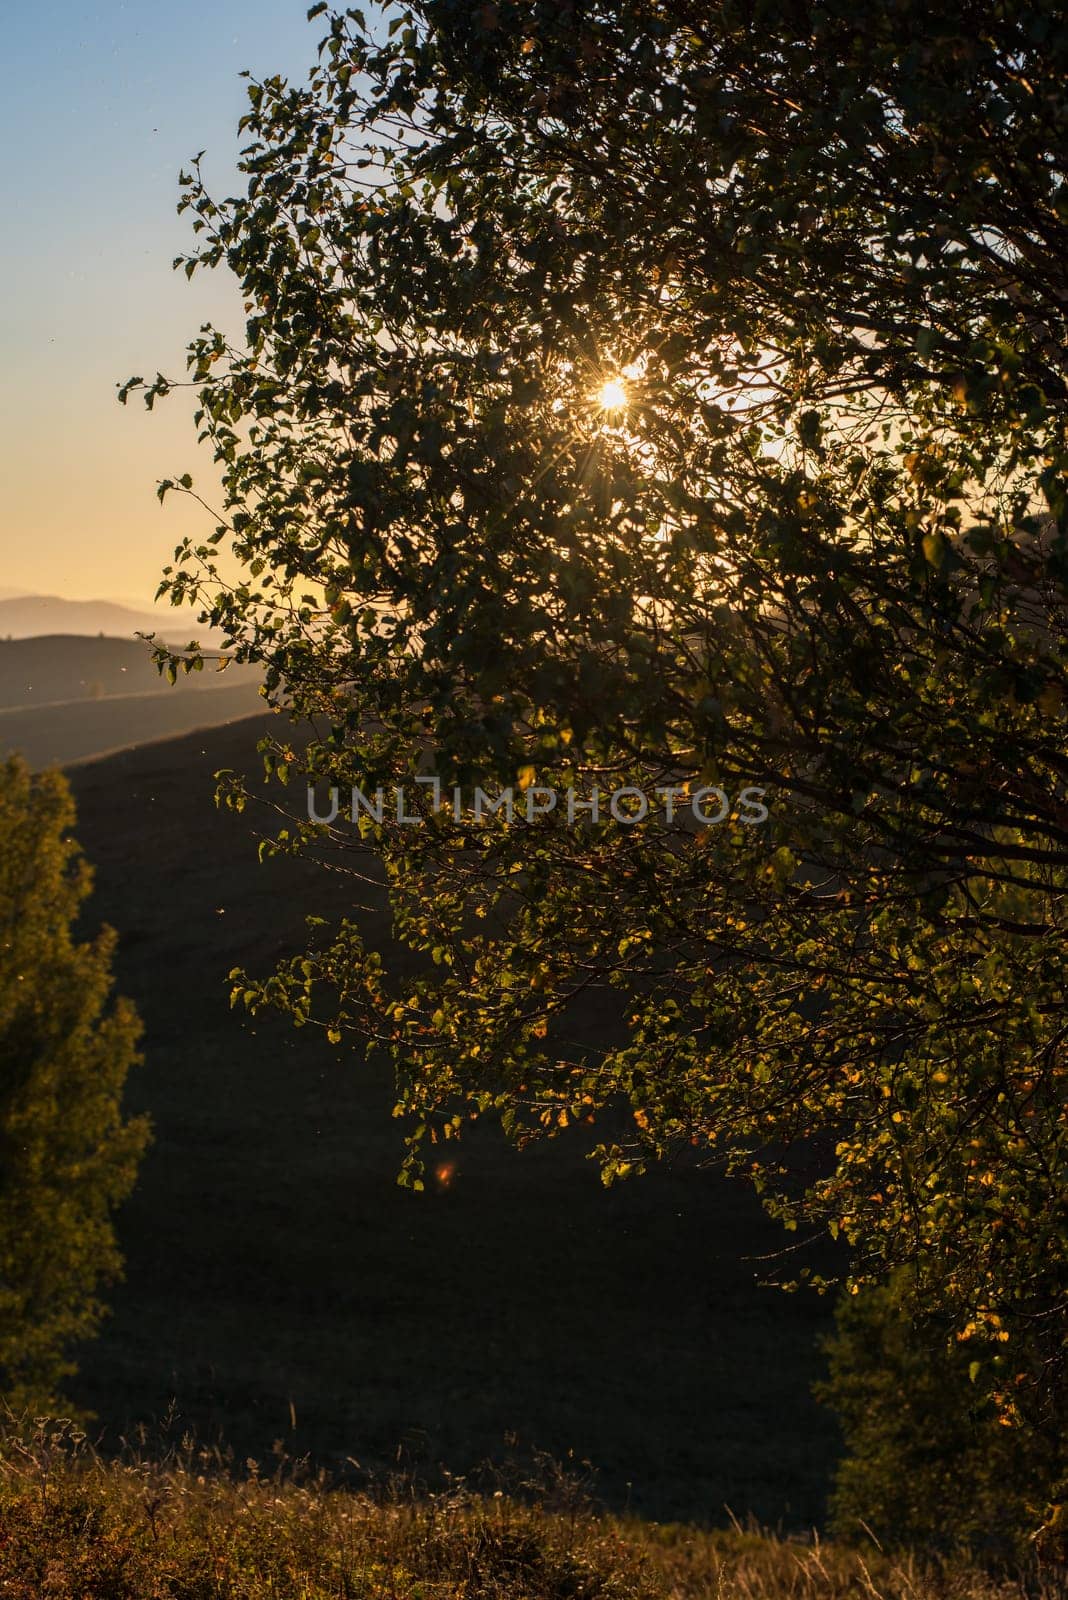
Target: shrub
x: 67, y: 1154
x: 927, y: 1460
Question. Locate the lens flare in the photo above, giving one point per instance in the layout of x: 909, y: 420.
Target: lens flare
x: 612, y: 396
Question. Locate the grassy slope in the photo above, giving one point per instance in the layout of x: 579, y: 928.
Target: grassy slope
x: 79, y: 1530
x: 275, y: 1271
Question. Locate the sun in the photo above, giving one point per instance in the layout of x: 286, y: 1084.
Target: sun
x: 612, y: 395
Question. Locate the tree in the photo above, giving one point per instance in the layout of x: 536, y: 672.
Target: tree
x: 927, y: 1462
x: 67, y: 1154
x: 665, y: 394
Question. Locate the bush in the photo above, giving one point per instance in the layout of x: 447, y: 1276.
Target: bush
x: 67, y: 1155
x: 927, y: 1462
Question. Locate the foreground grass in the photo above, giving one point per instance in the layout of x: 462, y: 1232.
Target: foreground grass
x: 76, y: 1527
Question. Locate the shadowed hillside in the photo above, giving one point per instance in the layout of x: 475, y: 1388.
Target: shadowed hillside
x: 74, y: 730
x: 281, y: 1286
x: 67, y: 698
x: 60, y: 667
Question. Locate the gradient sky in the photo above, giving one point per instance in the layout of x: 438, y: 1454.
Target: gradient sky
x: 100, y: 107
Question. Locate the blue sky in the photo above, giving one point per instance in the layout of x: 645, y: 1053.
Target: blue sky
x: 100, y: 107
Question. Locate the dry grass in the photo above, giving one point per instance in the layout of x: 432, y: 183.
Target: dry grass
x: 76, y: 1527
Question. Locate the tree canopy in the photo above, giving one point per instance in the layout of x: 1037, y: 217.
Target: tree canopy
x: 811, y: 539
x: 68, y: 1156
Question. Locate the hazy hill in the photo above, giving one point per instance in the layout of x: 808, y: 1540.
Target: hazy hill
x: 41, y: 670
x: 65, y: 698
x: 22, y: 616
x: 77, y: 730
x: 281, y: 1286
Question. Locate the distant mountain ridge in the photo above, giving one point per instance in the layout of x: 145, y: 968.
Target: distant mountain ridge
x: 27, y: 616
